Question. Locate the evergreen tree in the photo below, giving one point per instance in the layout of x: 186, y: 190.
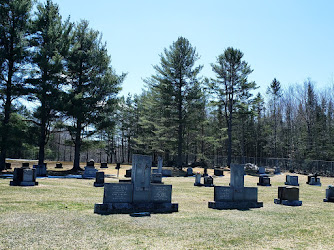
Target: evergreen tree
x: 230, y: 86
x: 275, y: 92
x: 93, y: 85
x: 14, y: 20
x: 50, y: 45
x: 173, y: 89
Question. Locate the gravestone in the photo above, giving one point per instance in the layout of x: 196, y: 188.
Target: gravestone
x: 277, y: 170
x: 288, y: 196
x: 166, y: 173
x: 198, y: 177
x: 99, y: 181
x: 25, y: 164
x: 235, y: 196
x: 291, y: 180
x: 156, y: 178
x: 139, y: 195
x: 24, y: 177
x: 90, y: 170
x: 118, y: 167
x: 218, y: 172
x: 264, y: 180
x: 208, y: 181
x: 59, y: 165
x: 262, y: 170
x: 40, y: 170
x: 128, y: 173
x: 8, y: 165
x: 329, y: 194
x: 160, y: 161
x: 104, y: 165
x: 205, y: 172
x: 313, y: 179
x: 190, y: 171
x: 90, y: 163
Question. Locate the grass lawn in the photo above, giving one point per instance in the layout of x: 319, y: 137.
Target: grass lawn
x: 58, y: 214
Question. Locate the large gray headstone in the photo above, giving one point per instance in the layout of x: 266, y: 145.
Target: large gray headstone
x: 237, y: 176
x: 141, y: 177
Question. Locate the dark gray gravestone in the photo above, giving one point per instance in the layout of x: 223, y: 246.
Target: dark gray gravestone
x: 262, y: 170
x: 205, y: 171
x: 277, y: 170
x: 329, y: 194
x: 90, y: 170
x: 236, y: 196
x: 288, y: 196
x: 218, y: 172
x: 99, y: 181
x: 59, y: 165
x: 190, y: 172
x: 90, y: 163
x: 104, y: 165
x: 24, y: 177
x: 264, y: 180
x: 25, y: 164
x: 291, y: 180
x: 313, y: 179
x: 139, y: 195
x: 156, y: 178
x: 166, y: 172
x: 40, y: 170
x: 141, y: 178
x: 128, y: 173
x: 208, y: 181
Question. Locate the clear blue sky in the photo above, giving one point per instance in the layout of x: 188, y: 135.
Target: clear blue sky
x: 289, y: 40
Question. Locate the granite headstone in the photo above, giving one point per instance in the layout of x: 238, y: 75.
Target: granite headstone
x: 99, y: 179
x: 288, y: 196
x: 235, y: 196
x: 138, y: 196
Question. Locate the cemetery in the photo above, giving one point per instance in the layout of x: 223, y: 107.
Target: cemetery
x: 66, y: 207
x: 117, y: 132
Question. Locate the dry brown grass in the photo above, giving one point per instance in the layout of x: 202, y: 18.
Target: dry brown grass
x: 58, y: 214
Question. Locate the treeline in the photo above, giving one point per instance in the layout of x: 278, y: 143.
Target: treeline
x: 64, y: 70
x: 61, y: 67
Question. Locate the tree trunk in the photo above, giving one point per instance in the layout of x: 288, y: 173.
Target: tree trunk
x: 77, y: 147
x: 180, y: 129
x: 5, y: 122
x: 42, y: 136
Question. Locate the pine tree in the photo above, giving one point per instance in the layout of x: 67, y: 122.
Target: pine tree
x: 230, y: 86
x: 172, y: 90
x: 275, y: 92
x: 50, y: 45
x: 14, y: 20
x: 93, y: 85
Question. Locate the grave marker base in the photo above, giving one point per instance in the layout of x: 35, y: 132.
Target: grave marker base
x: 23, y: 183
x: 290, y: 184
x: 235, y: 204
x: 128, y: 208
x: 293, y: 203
x: 264, y: 184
